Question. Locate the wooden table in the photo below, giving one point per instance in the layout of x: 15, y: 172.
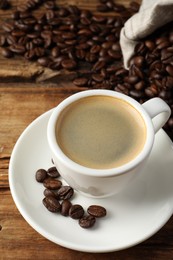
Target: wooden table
x: 26, y: 91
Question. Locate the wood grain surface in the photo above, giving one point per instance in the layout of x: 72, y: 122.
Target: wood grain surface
x: 26, y: 91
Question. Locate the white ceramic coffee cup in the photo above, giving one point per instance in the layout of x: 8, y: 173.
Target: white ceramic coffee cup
x: 105, y: 182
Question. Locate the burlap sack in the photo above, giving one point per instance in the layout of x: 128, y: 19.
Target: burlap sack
x: 152, y: 15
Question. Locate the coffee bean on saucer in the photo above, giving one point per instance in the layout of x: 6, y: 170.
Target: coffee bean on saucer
x: 96, y: 211
x: 65, y: 207
x: 87, y: 221
x: 52, y: 193
x: 65, y: 192
x: 52, y: 172
x: 52, y: 184
x: 76, y: 211
x: 52, y: 204
x: 41, y: 175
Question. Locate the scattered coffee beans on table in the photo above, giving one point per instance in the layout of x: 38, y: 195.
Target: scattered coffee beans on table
x: 57, y: 199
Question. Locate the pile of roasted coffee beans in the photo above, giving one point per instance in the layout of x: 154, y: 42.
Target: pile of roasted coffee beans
x: 58, y: 199
x: 69, y: 38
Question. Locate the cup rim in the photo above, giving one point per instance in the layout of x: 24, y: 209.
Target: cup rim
x: 57, y: 152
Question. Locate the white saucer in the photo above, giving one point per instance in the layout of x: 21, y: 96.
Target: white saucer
x: 132, y: 216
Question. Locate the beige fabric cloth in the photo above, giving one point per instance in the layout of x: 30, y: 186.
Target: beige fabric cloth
x: 152, y: 15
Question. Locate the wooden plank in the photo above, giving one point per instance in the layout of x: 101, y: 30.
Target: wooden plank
x: 20, y: 105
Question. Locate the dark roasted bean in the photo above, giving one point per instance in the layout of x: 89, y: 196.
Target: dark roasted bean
x: 65, y: 192
x: 16, y: 48
x: 7, y: 27
x: 52, y: 184
x: 115, y: 54
x: 11, y: 39
x: 48, y: 193
x: 80, y: 81
x: 98, y: 65
x: 95, y: 49
x: 76, y: 211
x: 136, y: 94
x: 41, y: 175
x: 65, y: 207
x: 87, y: 221
x: 68, y: 64
x: 52, y: 204
x: 97, y: 77
x: 96, y: 211
x: 52, y: 172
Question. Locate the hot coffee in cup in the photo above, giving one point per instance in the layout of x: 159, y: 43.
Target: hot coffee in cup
x: 100, y: 139
x: 100, y: 132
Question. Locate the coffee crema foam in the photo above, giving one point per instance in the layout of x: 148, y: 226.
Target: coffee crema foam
x: 100, y: 132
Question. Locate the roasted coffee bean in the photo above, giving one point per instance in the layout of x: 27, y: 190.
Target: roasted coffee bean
x: 97, y: 77
x: 107, y: 45
x: 99, y: 65
x: 52, y: 184
x: 90, y: 57
x: 52, y: 172
x: 48, y: 193
x: 65, y: 207
x: 68, y: 64
x: 136, y: 94
x: 11, y: 39
x: 140, y: 85
x: 17, y: 48
x: 96, y: 211
x: 52, y: 204
x: 99, y: 19
x: 95, y: 49
x: 116, y: 47
x: 7, y: 27
x: 20, y: 25
x: 138, y: 61
x: 131, y: 79
x: 115, y: 54
x: 80, y: 54
x: 76, y: 211
x: 87, y: 221
x: 65, y: 192
x: 80, y: 81
x: 41, y: 175
x: 55, y: 52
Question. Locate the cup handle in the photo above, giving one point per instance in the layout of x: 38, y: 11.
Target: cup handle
x: 159, y: 112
